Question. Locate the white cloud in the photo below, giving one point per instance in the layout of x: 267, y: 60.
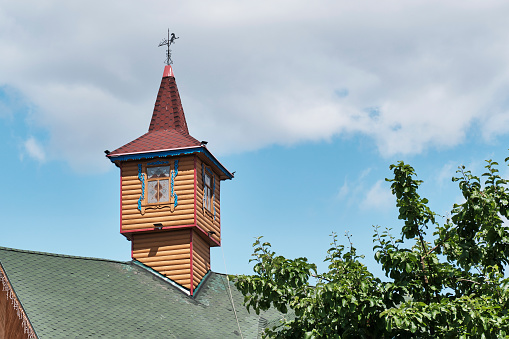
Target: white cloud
x: 81, y: 132
x: 496, y: 124
x: 446, y: 173
x: 352, y: 190
x: 34, y: 149
x: 411, y: 75
x: 343, y: 191
x: 358, y: 192
x: 378, y: 197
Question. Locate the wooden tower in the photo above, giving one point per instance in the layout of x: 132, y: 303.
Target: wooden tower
x: 170, y: 188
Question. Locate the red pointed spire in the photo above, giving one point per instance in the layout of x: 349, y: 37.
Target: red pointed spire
x: 168, y: 127
x: 168, y: 111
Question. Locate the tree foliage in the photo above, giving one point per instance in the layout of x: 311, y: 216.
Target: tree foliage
x: 453, y: 287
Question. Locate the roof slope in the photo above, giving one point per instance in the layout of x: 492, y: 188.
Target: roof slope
x: 168, y: 127
x: 68, y: 296
x: 157, y: 141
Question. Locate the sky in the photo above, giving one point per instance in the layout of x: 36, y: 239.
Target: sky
x: 309, y: 102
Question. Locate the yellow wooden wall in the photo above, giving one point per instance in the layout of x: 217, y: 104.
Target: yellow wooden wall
x: 183, y: 214
x: 201, y: 258
x: 204, y: 218
x: 168, y: 252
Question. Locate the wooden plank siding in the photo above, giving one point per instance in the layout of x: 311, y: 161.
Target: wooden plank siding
x: 182, y: 252
x: 169, y: 253
x: 131, y: 190
x: 205, y: 218
x: 201, y: 258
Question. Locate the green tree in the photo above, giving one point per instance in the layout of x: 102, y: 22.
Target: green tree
x: 453, y: 287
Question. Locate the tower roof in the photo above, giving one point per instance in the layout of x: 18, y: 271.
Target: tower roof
x: 168, y: 127
x: 167, y: 134
x: 168, y: 112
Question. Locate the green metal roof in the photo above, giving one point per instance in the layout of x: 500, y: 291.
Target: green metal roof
x: 76, y: 297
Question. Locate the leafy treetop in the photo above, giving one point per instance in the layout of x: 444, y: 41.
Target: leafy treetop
x: 451, y: 288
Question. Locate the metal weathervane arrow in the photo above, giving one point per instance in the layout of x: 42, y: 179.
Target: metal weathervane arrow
x: 167, y: 42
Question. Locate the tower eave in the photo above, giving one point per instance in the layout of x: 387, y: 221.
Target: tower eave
x: 224, y: 174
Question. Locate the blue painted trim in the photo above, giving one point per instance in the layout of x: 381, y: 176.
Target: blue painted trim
x: 185, y: 151
x: 174, y: 173
x: 141, y: 177
x: 157, y: 163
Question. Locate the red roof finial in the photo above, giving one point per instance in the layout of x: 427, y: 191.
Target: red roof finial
x: 168, y: 71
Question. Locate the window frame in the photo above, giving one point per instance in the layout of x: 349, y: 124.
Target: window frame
x: 172, y: 201
x: 207, y: 191
x: 211, y: 210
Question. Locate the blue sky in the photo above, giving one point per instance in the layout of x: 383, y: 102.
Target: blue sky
x: 308, y: 103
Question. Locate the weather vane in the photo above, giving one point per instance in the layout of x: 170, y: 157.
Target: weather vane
x: 168, y: 42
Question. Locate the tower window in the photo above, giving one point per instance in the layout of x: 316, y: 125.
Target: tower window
x: 158, y: 184
x: 209, y: 187
x: 207, y: 191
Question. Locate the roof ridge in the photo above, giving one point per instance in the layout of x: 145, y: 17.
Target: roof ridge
x: 62, y: 255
